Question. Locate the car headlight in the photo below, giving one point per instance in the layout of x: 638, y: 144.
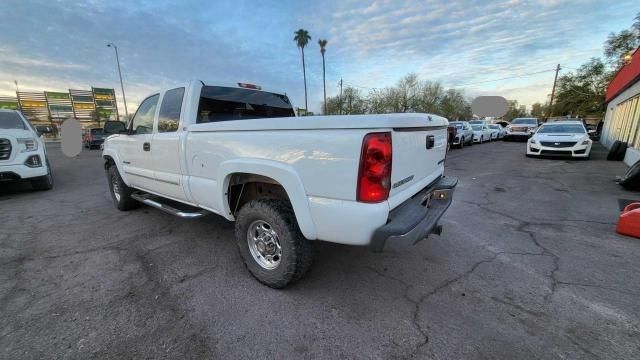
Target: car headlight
x: 586, y: 142
x: 532, y: 141
x: 30, y: 144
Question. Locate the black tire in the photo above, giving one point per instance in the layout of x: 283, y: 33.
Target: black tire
x: 622, y: 150
x: 296, y: 255
x: 631, y: 179
x: 611, y: 156
x: 481, y: 139
x: 44, y: 182
x: 461, y: 143
x: 471, y: 142
x: 125, y: 201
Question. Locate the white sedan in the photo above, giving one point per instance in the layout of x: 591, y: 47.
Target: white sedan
x: 497, y: 131
x: 563, y: 138
x: 481, y: 133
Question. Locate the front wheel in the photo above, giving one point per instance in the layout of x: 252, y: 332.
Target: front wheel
x: 270, y: 242
x: 120, y: 192
x: 462, y: 143
x: 44, y: 182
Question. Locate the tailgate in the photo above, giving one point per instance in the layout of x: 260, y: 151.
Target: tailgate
x: 415, y: 165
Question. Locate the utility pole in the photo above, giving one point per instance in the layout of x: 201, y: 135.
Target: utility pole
x: 124, y: 98
x: 553, y: 91
x: 340, y: 96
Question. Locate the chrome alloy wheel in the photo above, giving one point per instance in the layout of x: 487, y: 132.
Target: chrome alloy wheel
x: 115, y: 185
x: 264, y: 245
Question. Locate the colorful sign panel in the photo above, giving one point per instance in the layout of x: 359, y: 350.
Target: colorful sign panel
x: 11, y: 105
x: 57, y: 95
x: 84, y: 106
x: 33, y: 104
x: 60, y: 108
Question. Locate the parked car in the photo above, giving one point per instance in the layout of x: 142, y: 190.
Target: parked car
x: 481, y: 133
x: 497, y: 131
x: 521, y: 128
x: 93, y: 138
x: 240, y: 152
x: 463, y: 135
x: 562, y: 138
x: 23, y: 154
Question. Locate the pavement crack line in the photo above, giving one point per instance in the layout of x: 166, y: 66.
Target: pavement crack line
x: 417, y: 303
x: 522, y: 227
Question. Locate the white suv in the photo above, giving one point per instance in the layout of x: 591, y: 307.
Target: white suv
x: 22, y: 152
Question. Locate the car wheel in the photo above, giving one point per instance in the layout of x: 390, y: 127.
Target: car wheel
x: 611, y: 156
x: 481, y: 139
x: 270, y: 242
x: 631, y: 179
x: 462, y: 143
x: 44, y: 182
x: 120, y: 192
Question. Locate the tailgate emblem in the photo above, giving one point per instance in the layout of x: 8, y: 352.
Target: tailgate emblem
x: 402, y: 182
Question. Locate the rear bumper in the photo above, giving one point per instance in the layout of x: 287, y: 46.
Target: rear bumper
x: 416, y: 218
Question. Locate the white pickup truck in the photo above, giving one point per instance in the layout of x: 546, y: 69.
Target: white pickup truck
x: 241, y: 152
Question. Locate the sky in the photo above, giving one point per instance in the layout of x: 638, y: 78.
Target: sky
x: 55, y: 45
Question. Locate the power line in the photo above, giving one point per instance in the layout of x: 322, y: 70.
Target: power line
x: 509, y: 77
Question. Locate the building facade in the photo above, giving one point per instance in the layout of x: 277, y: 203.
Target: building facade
x: 622, y: 119
x: 87, y: 106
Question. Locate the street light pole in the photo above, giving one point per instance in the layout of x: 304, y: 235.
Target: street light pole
x: 124, y: 98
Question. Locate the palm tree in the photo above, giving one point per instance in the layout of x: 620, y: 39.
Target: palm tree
x: 302, y: 38
x: 323, y: 45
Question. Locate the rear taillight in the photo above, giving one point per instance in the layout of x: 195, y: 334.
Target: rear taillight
x: 374, y: 173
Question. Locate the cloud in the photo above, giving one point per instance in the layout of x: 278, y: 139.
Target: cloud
x: 60, y: 44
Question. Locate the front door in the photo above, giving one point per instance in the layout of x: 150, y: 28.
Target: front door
x: 136, y: 157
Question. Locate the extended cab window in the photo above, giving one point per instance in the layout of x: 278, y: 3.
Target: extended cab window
x: 143, y: 119
x: 169, y: 116
x: 219, y: 103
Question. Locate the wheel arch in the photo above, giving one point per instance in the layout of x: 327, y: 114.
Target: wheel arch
x: 243, y: 171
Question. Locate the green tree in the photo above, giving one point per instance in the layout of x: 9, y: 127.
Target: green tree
x: 353, y: 102
x: 302, y: 38
x: 619, y: 46
x: 514, y: 111
x: 454, y: 106
x: 323, y: 49
x: 538, y: 110
x: 582, y: 93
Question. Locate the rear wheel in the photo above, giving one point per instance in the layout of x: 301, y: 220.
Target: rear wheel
x: 270, y: 242
x: 120, y: 192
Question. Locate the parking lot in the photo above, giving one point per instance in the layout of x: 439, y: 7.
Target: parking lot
x: 528, y: 266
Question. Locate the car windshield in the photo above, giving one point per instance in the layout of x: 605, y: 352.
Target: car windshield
x: 525, y: 121
x: 11, y: 120
x: 97, y: 132
x: 562, y: 129
x: 495, y: 127
x: 476, y: 122
x: 457, y: 125
x: 476, y: 127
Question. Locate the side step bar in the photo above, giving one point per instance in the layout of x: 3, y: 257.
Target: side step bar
x: 163, y: 204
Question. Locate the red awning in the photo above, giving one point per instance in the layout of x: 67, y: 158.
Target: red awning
x: 626, y: 76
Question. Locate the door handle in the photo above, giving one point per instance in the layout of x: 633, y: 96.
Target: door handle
x: 146, y: 146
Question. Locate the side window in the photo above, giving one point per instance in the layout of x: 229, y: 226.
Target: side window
x: 169, y: 116
x: 143, y: 119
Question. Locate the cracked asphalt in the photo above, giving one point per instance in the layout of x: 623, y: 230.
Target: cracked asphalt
x: 528, y: 266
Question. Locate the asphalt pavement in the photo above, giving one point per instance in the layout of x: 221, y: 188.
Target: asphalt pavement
x: 528, y: 266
